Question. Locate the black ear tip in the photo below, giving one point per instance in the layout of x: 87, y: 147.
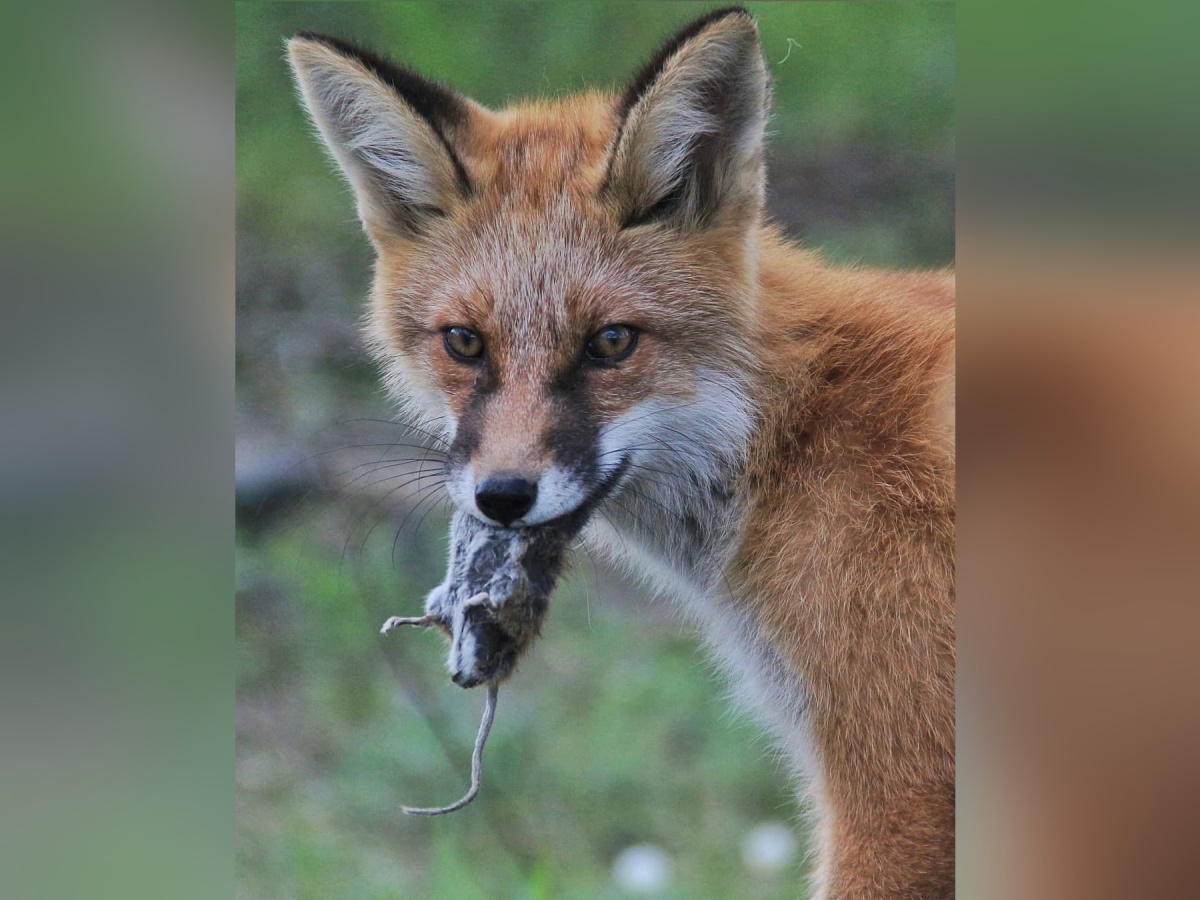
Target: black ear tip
x: 333, y: 42
x: 316, y: 38
x: 312, y: 37
x: 658, y: 62
x: 722, y: 13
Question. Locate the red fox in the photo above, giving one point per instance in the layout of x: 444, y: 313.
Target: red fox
x: 584, y: 297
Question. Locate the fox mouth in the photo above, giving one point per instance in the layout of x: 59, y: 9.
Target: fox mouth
x: 581, y: 512
x: 601, y: 492
x: 609, y: 483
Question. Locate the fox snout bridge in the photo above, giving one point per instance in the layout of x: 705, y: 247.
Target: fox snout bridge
x: 505, y: 498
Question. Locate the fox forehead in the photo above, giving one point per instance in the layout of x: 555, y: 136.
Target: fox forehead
x: 543, y: 273
x: 536, y: 150
x: 535, y: 256
x: 533, y: 249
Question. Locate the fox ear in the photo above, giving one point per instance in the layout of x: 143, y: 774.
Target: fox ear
x: 689, y: 148
x: 389, y: 129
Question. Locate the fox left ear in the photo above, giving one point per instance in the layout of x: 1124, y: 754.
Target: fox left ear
x: 391, y: 131
x: 689, y: 148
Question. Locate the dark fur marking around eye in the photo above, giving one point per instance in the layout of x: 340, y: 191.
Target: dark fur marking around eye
x: 469, y: 433
x: 571, y: 435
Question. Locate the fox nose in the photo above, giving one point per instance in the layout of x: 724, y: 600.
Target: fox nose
x: 505, y: 498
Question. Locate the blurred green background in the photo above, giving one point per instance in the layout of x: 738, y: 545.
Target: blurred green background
x: 616, y: 732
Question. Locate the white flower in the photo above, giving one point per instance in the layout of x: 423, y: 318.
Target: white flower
x: 642, y: 869
x: 768, y: 849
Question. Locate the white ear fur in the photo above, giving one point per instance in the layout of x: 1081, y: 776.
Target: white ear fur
x: 690, y: 143
x: 399, y: 166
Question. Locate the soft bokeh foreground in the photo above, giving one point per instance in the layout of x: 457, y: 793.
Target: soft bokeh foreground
x: 616, y: 766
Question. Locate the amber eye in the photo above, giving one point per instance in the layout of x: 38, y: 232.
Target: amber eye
x: 611, y: 343
x: 463, y: 343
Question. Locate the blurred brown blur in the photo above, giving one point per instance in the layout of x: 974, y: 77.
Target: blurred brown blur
x: 1078, y: 560
x: 1079, y: 536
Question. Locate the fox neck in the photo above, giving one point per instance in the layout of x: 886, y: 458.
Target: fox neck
x: 678, y: 521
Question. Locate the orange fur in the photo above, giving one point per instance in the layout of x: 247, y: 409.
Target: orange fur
x: 810, y: 520
x: 850, y: 550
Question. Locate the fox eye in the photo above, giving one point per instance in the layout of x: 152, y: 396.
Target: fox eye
x: 611, y: 343
x: 463, y: 343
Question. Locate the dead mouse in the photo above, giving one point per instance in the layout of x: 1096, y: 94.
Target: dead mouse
x: 491, y: 606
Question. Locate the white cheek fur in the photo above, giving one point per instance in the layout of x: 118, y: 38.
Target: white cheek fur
x: 559, y: 492
x: 697, y: 434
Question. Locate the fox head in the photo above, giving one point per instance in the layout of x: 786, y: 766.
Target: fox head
x: 566, y: 289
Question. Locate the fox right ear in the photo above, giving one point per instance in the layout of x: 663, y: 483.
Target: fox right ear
x: 390, y: 130
x: 688, y: 151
